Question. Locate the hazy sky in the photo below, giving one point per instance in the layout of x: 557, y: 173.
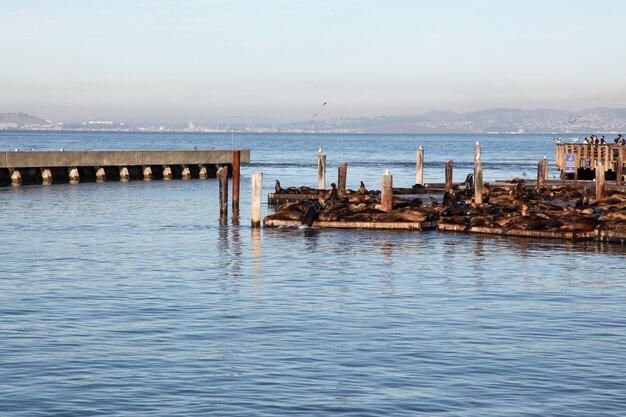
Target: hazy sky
x: 280, y: 59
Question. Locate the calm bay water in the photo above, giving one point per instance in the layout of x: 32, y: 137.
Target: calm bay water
x: 132, y: 299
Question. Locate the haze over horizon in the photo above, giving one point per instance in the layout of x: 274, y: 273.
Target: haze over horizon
x: 279, y: 60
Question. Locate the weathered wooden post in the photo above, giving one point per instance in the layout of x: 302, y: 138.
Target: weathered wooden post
x: 257, y: 188
x: 419, y: 166
x: 477, y: 151
x: 321, y: 170
x: 124, y: 174
x: 449, y: 169
x: 542, y: 172
x: 386, y: 193
x: 222, y: 175
x: 147, y: 173
x: 342, y: 173
x: 101, y: 175
x: 619, y: 175
x: 599, y: 180
x: 16, y: 177
x: 74, y: 175
x: 478, y: 180
x: 236, y: 177
x: 46, y: 176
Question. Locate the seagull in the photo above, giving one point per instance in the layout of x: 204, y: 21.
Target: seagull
x: 320, y: 150
x: 324, y: 103
x: 195, y: 147
x: 572, y: 121
x: 387, y: 172
x: 314, y: 115
x: 214, y: 146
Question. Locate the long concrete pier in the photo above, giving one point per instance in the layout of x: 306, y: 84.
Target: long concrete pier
x: 46, y: 167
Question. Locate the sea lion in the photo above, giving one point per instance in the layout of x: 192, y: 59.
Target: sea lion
x: 310, y: 215
x: 278, y: 189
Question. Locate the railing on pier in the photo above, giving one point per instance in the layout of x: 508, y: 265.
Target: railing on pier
x: 587, y: 155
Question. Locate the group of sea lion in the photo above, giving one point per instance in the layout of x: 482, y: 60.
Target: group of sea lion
x: 504, y: 206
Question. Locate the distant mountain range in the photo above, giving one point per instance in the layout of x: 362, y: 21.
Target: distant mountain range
x: 500, y: 120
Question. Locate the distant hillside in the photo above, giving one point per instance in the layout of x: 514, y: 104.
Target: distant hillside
x: 21, y: 120
x: 500, y: 120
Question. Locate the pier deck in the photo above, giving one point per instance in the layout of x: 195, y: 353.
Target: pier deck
x: 36, y: 167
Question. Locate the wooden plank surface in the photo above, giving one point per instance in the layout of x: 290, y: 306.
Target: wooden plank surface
x: 355, y: 225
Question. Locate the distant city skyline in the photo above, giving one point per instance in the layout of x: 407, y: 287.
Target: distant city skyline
x: 280, y: 60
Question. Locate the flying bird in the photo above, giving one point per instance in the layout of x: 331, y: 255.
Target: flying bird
x: 572, y: 121
x: 314, y: 115
x: 324, y: 103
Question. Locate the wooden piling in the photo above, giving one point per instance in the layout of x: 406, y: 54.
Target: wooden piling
x: 599, y: 180
x: 386, y: 193
x: 542, y: 172
x: 236, y: 178
x: 257, y: 190
x: 419, y: 166
x: 342, y: 173
x: 449, y: 172
x: 619, y: 175
x: 321, y: 170
x: 478, y: 181
x: 222, y: 175
x: 477, y: 151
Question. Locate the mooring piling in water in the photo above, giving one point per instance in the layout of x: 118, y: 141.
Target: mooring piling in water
x: 222, y: 175
x: 342, y: 173
x: 386, y: 192
x: 619, y: 159
x: 449, y: 172
x: 478, y: 179
x: 419, y: 166
x: 542, y: 172
x: 321, y: 170
x: 236, y: 178
x: 257, y: 190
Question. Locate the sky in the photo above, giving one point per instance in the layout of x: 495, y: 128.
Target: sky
x: 279, y: 60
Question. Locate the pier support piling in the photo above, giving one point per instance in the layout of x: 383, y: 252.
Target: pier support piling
x: 124, y: 174
x: 186, y: 173
x: 101, y: 175
x: 321, y: 170
x: 167, y: 173
x: 46, y: 176
x: 202, y: 173
x: 542, y: 172
x: 74, y: 175
x: 386, y: 193
x: 619, y: 174
x: 236, y: 178
x: 342, y: 173
x: 449, y: 174
x: 419, y: 166
x: 147, y: 173
x: 16, y: 177
x: 257, y: 190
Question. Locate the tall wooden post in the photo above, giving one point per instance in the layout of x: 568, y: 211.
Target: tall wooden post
x: 321, y: 170
x: 419, y: 166
x: 542, y: 172
x: 478, y: 181
x: 619, y: 175
x: 386, y: 194
x: 222, y: 175
x: 599, y: 180
x: 236, y: 176
x: 449, y: 169
x: 257, y: 187
x: 477, y: 151
x: 342, y: 173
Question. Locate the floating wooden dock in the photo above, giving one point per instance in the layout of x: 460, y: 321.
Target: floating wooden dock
x: 45, y: 167
x: 586, y: 156
x: 544, y: 234
x: 419, y: 226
